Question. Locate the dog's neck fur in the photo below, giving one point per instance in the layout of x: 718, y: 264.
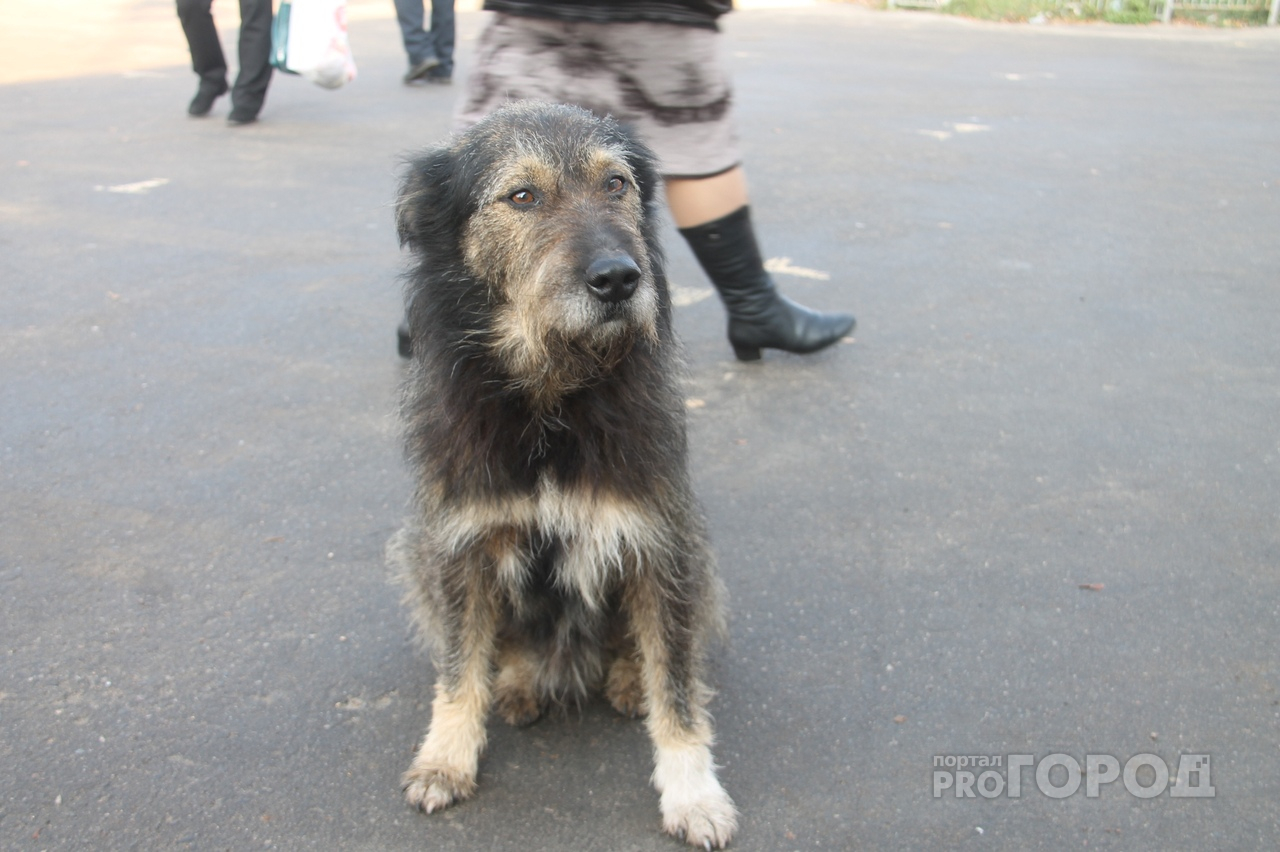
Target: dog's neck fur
x: 613, y: 429
x: 544, y: 379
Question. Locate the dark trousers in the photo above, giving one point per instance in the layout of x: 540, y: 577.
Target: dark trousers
x: 207, y: 58
x: 420, y: 43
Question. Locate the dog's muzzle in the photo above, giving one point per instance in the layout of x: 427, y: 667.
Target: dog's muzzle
x: 613, y: 278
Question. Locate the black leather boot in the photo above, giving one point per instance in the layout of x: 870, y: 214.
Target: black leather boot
x: 759, y: 316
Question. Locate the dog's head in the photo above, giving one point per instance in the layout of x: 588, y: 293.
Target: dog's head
x: 548, y: 210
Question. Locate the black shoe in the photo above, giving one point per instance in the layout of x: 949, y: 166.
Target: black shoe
x: 759, y: 316
x: 439, y: 77
x: 205, y: 96
x: 419, y: 69
x: 241, y: 116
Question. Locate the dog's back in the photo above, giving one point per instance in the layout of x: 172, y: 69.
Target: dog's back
x: 555, y: 537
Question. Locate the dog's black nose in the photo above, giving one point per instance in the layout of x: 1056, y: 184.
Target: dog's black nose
x: 613, y: 279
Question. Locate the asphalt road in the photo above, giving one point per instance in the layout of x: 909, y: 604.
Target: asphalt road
x: 1061, y: 244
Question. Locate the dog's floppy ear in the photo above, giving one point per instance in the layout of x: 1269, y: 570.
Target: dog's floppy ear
x: 642, y: 161
x: 644, y: 167
x: 427, y: 197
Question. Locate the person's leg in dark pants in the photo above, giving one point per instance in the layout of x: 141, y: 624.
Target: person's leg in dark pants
x: 442, y: 39
x: 418, y: 43
x: 207, y: 58
x: 250, y: 89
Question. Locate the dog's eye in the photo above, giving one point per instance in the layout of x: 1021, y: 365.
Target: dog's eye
x: 522, y: 198
x: 616, y: 185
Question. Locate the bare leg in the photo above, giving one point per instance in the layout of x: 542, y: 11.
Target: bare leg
x: 696, y: 201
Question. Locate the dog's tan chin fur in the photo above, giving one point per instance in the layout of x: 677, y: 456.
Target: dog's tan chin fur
x: 546, y: 365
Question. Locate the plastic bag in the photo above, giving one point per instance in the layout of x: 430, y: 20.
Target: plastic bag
x: 309, y: 38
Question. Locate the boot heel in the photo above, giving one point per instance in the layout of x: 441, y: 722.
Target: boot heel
x: 746, y: 353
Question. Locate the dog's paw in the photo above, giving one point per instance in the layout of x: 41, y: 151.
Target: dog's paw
x: 434, y: 788
x: 628, y: 702
x: 624, y: 689
x: 708, y: 822
x: 518, y: 708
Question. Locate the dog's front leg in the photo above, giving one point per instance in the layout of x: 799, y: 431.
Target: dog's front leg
x: 694, y: 805
x: 444, y: 769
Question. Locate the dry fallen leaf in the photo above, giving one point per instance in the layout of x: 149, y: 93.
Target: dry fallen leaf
x: 1092, y: 587
x: 899, y: 719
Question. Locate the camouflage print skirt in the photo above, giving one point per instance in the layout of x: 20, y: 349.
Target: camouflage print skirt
x: 664, y: 80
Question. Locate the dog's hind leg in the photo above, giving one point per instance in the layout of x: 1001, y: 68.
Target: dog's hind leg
x: 694, y: 805
x: 625, y: 685
x: 515, y: 696
x: 444, y: 769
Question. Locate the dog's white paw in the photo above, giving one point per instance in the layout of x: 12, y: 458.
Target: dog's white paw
x: 434, y: 788
x: 708, y: 822
x: 695, y: 808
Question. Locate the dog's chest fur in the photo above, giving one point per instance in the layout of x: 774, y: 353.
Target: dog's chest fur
x: 582, y: 542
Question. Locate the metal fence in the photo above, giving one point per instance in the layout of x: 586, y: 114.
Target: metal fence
x: 1165, y: 8
x: 1168, y: 7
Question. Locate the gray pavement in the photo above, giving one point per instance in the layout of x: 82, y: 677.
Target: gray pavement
x: 1061, y: 244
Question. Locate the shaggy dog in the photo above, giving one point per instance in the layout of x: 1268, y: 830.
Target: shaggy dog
x: 554, y: 547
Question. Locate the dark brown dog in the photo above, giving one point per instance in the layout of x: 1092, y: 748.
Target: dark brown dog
x: 555, y: 546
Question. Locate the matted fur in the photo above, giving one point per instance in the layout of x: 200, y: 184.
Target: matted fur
x: 555, y: 547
